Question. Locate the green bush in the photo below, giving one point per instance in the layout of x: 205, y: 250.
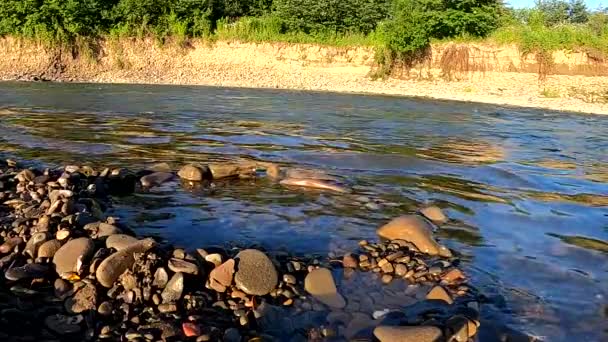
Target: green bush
x: 331, y: 16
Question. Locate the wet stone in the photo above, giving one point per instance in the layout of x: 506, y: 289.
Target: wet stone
x: 194, y: 173
x: 161, y: 278
x: 434, y: 214
x: 414, y: 229
x: 439, y: 293
x: 349, y: 261
x: 400, y: 270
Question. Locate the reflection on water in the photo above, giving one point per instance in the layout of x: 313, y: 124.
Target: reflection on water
x: 527, y: 191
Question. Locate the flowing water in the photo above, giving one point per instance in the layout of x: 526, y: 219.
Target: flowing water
x: 526, y: 190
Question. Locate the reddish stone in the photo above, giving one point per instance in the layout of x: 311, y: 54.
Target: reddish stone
x: 191, y: 329
x: 221, y: 277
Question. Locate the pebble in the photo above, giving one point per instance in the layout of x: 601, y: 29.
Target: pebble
x: 320, y: 284
x: 105, y: 308
x: 191, y: 329
x: 62, y: 234
x: 34, y: 243
x: 453, y: 275
x: 10, y: 244
x: 214, y: 258
x: 256, y: 273
x: 167, y: 307
x: 120, y: 241
x: 177, y: 265
x: 408, y: 333
x: 349, y: 261
x: 439, y: 293
x: 116, y: 264
x: 71, y: 255
x: 387, y: 278
x: 289, y: 279
x: 400, y: 270
x: 173, y: 290
x: 49, y: 248
x: 161, y: 278
x: 221, y: 277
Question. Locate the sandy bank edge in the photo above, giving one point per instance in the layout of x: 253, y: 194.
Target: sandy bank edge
x: 500, y: 79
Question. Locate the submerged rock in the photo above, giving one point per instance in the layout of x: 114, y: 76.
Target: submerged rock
x: 194, y: 173
x: 256, y: 273
x: 315, y: 184
x: 434, y: 214
x: 320, y: 284
x: 155, y: 179
x: 414, y: 229
x: 439, y: 293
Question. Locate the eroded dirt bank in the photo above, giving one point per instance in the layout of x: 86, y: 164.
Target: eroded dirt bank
x: 488, y: 74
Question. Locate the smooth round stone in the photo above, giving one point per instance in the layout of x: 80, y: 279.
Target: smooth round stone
x: 34, y: 243
x: 414, y: 229
x: 256, y: 273
x: 49, y: 248
x: 71, y: 255
x: 120, y: 241
x: 387, y: 278
x: 320, y: 284
x: 434, y: 214
x: 116, y: 264
x: 194, y: 173
x: 173, y: 290
x: 401, y: 334
x: 177, y: 265
x: 439, y: 293
x: 85, y: 299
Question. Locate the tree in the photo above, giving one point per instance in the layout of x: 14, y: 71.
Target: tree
x: 578, y: 12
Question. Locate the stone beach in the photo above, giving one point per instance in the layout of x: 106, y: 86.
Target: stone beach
x: 73, y: 273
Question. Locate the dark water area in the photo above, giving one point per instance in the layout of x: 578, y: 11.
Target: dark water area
x: 526, y: 190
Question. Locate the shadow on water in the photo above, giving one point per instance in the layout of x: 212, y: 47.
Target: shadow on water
x: 526, y: 191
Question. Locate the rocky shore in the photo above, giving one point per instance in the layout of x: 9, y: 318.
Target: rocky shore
x: 72, y: 273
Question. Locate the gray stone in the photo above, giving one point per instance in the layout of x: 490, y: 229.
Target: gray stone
x: 401, y: 334
x: 70, y: 257
x: 120, y: 241
x: 320, y: 284
x: 116, y: 264
x: 173, y: 290
x: 27, y: 271
x: 62, y: 324
x: 256, y: 273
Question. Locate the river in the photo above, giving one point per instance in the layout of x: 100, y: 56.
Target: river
x: 526, y: 190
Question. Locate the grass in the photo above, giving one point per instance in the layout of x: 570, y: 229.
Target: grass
x: 550, y: 93
x: 269, y: 29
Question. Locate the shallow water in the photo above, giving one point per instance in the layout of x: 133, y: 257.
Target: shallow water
x: 527, y: 190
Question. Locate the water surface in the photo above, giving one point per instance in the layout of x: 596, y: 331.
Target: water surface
x: 527, y: 190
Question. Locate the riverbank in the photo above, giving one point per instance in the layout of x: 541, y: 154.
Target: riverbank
x: 72, y: 272
x: 485, y: 74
